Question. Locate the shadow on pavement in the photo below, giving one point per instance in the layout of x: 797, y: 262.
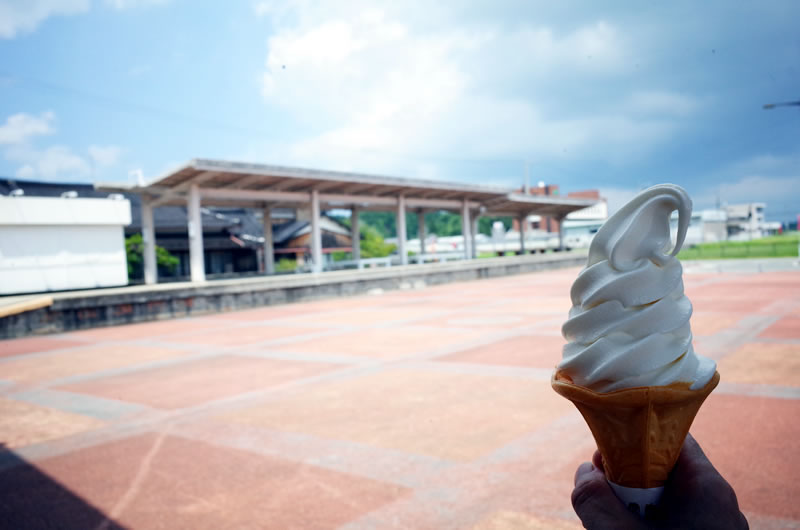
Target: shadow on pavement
x: 32, y: 500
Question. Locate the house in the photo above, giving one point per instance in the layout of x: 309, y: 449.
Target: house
x: 232, y: 237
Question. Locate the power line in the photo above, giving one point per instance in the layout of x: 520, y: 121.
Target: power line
x: 101, y: 100
x: 127, y: 106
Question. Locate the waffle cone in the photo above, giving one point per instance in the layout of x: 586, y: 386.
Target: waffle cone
x: 639, y: 431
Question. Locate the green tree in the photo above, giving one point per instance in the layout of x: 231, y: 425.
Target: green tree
x: 442, y: 223
x: 373, y: 245
x: 134, y: 249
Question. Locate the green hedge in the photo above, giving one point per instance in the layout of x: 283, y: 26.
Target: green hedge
x: 785, y: 245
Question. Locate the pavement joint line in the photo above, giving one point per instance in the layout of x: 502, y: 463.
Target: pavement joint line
x: 82, y: 440
x: 770, y: 340
x: 520, y: 449
x: 725, y: 342
x: 324, y: 332
x: 155, y: 417
x: 488, y: 338
x: 383, y: 464
x: 100, y: 408
x: 81, y: 378
x: 445, y: 504
x: 509, y: 371
x: 47, y: 353
x: 307, y: 357
x: 756, y: 390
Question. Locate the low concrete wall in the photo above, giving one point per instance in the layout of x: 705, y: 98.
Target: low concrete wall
x: 122, y: 305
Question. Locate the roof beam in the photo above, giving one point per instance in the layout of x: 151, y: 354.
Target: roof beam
x: 326, y: 185
x: 247, y: 180
x: 439, y: 204
x: 358, y: 199
x: 288, y: 183
x: 254, y: 195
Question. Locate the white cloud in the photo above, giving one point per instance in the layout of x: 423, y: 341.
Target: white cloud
x: 128, y: 4
x: 59, y: 162
x: 51, y: 163
x: 20, y: 16
x: 104, y: 156
x: 20, y: 127
x: 385, y: 90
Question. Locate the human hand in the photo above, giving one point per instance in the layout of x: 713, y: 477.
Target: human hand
x: 695, y: 496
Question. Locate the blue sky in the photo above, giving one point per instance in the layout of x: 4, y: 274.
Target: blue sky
x: 592, y: 97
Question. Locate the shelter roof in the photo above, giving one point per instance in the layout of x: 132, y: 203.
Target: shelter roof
x: 223, y: 183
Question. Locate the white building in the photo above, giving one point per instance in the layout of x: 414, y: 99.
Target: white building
x: 735, y: 222
x: 746, y: 222
x: 59, y: 243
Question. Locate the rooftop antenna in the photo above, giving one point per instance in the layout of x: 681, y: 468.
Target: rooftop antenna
x: 139, y: 175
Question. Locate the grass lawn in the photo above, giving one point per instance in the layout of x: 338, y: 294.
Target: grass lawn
x: 784, y: 245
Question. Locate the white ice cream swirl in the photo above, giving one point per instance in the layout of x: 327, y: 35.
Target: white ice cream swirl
x: 629, y: 322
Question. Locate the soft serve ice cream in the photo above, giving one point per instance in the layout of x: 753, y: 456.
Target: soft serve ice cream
x: 629, y: 323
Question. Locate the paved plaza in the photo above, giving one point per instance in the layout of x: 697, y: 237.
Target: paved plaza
x: 421, y: 409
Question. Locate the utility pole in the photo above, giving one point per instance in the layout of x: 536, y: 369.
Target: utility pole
x: 527, y: 186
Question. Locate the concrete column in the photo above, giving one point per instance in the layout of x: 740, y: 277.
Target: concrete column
x: 561, y: 233
x: 473, y: 236
x: 522, y: 221
x: 466, y: 229
x: 197, y: 264
x: 401, y: 230
x: 421, y: 232
x: 316, y: 235
x: 269, y: 248
x: 355, y: 233
x: 149, y: 243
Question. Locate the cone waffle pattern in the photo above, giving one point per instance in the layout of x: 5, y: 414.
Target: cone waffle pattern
x: 639, y: 431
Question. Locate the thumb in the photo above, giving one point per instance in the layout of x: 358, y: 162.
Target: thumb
x: 596, y: 504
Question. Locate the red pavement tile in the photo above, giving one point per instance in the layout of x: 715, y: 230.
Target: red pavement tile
x: 763, y: 363
x: 24, y: 424
x: 195, y: 382
x: 537, y: 305
x: 374, y: 316
x: 158, y: 481
x: 241, y: 336
x: 705, y: 324
x: 451, y: 416
x: 535, y: 351
x: 479, y: 320
x: 785, y: 328
x: 9, y: 348
x: 754, y: 443
x: 147, y: 330
x: 383, y: 343
x: 80, y: 361
x: 736, y: 305
x: 299, y: 309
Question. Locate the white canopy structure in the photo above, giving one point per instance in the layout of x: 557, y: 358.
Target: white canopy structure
x: 219, y: 183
